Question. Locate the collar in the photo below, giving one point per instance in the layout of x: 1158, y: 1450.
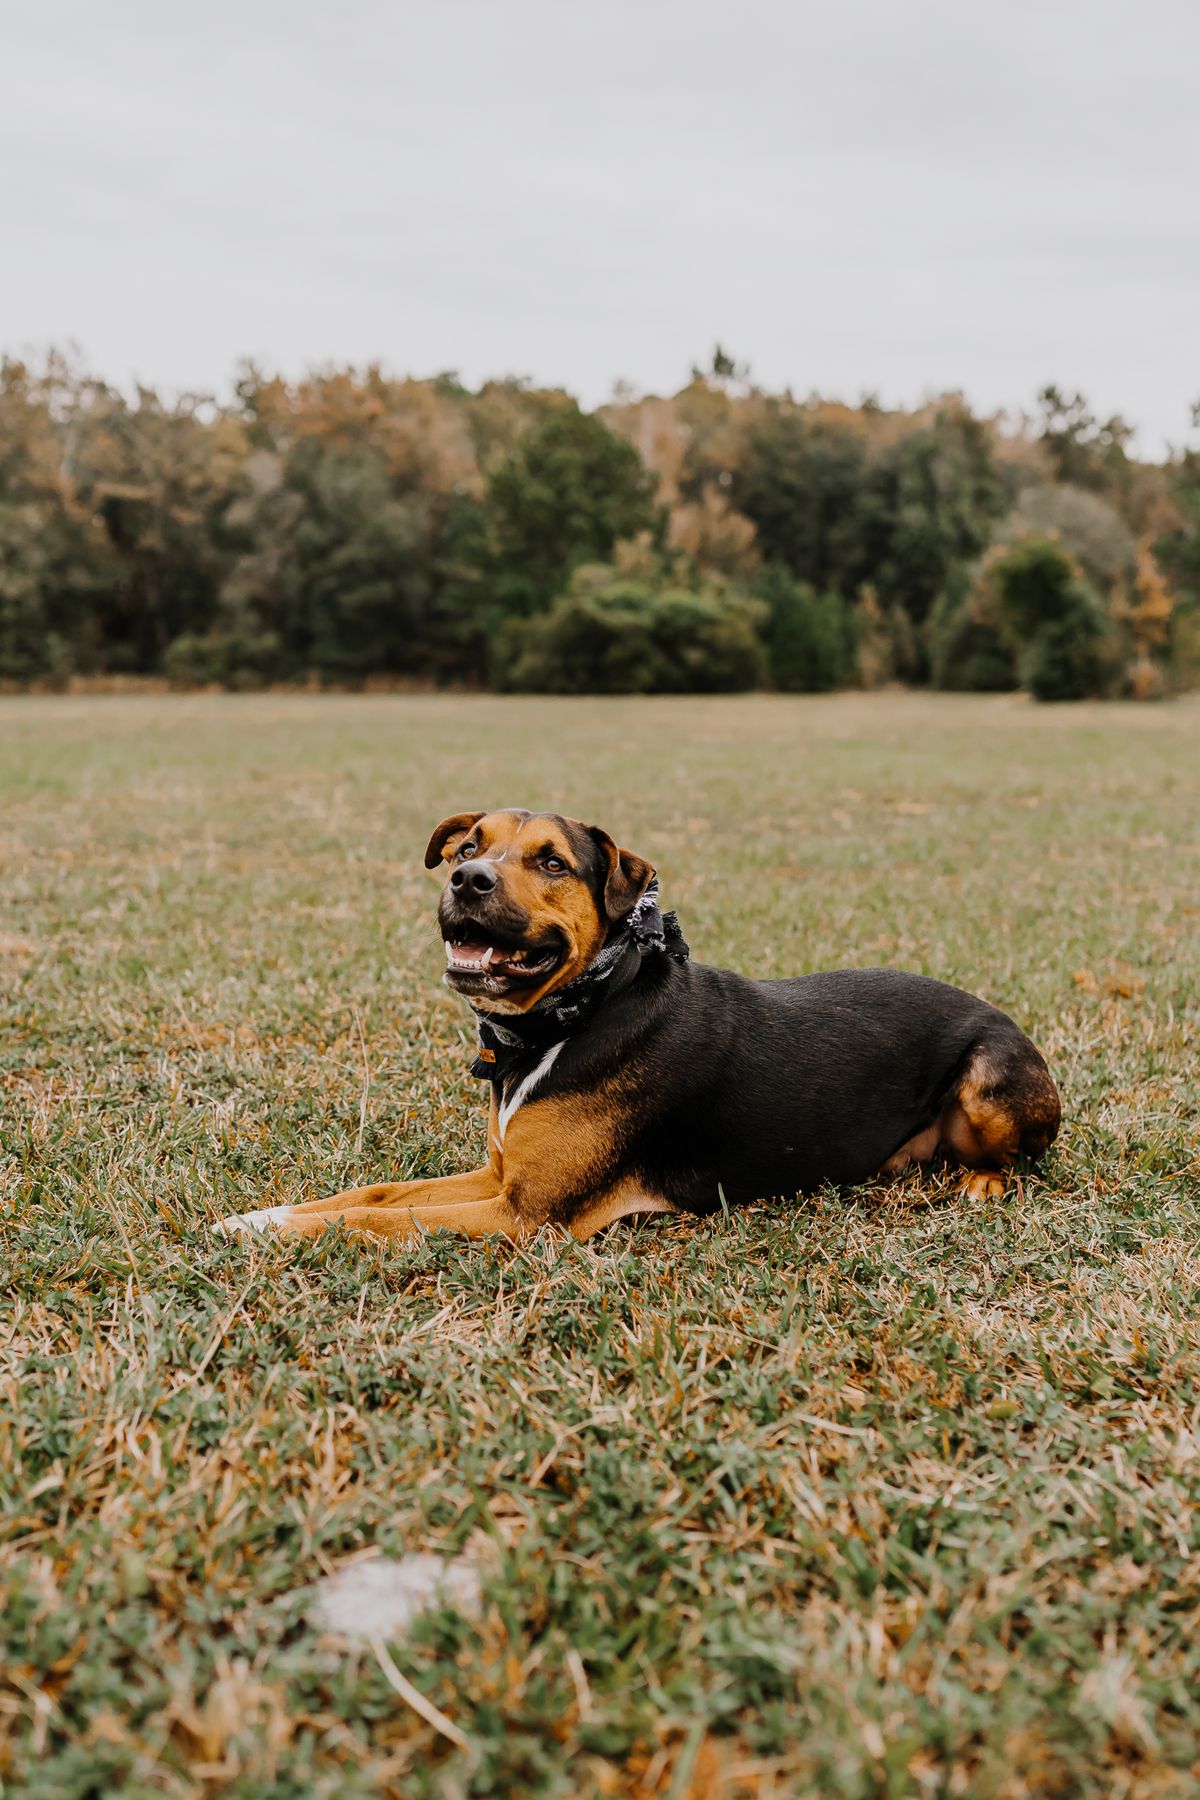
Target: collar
x: 504, y: 1040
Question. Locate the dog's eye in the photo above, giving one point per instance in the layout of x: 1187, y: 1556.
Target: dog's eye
x: 554, y: 865
x: 467, y: 850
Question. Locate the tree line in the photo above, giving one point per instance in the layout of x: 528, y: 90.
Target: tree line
x: 351, y: 526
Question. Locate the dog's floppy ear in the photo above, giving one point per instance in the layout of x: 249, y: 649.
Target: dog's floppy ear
x: 448, y: 836
x: 627, y: 879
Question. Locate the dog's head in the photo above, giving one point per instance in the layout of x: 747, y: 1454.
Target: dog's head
x: 529, y: 901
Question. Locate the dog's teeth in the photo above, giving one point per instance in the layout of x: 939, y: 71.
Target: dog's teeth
x: 449, y: 949
x: 486, y: 958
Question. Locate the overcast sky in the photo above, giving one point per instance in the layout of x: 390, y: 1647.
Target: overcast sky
x: 898, y: 196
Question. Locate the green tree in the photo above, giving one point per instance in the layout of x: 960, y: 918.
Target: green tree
x: 800, y: 484
x: 899, y: 521
x: 338, y: 572
x: 723, y: 370
x: 1179, y: 549
x: 1069, y: 658
x: 566, y: 495
x: 1083, y: 450
x: 364, y: 544
x: 809, y: 637
x: 161, y: 480
x: 926, y: 507
x: 58, y: 572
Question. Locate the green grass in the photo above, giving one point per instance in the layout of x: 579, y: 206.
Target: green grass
x: 878, y: 1494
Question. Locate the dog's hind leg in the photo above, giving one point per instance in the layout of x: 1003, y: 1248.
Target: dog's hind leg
x: 1004, y: 1106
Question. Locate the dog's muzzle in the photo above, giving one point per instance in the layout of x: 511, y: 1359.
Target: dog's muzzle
x: 490, y: 948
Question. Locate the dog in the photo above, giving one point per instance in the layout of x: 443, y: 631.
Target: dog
x: 626, y: 1078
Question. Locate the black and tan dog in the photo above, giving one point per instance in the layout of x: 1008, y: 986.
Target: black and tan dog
x: 628, y: 1079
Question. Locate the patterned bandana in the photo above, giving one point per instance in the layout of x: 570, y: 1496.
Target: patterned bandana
x: 569, y: 1010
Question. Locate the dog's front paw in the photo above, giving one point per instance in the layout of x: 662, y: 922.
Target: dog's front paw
x: 249, y: 1222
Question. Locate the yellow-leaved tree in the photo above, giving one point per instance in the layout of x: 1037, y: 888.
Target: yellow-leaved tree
x: 1145, y: 614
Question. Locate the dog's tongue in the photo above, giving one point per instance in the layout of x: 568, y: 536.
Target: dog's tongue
x: 482, y: 956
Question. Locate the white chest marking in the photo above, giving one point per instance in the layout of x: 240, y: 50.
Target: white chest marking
x: 525, y: 1087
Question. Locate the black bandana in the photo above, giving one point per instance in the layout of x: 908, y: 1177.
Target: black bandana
x: 568, y: 1011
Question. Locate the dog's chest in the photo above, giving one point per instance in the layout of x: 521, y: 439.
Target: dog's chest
x: 517, y: 1090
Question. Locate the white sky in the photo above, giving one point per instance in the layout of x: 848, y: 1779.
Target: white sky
x: 901, y: 196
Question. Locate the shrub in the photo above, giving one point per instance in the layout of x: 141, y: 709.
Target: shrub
x: 968, y: 652
x: 1069, y: 657
x: 809, y: 636
x: 1064, y: 643
x: 1033, y: 584
x: 234, y: 659
x: 627, y: 639
x: 970, y: 655
x: 885, y: 642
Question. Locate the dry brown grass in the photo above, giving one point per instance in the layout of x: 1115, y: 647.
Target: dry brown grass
x: 880, y: 1494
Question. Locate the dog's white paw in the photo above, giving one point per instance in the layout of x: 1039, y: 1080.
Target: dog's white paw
x: 261, y: 1220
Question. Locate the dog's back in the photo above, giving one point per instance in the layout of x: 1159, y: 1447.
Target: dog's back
x: 775, y: 1087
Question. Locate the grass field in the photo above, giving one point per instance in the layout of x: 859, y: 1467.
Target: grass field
x: 885, y: 1493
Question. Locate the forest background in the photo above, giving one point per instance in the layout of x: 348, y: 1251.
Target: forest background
x: 354, y: 528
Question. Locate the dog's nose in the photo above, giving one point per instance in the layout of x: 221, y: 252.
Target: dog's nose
x: 474, y: 878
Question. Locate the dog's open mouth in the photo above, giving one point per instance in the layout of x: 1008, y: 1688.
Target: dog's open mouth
x: 474, y: 956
